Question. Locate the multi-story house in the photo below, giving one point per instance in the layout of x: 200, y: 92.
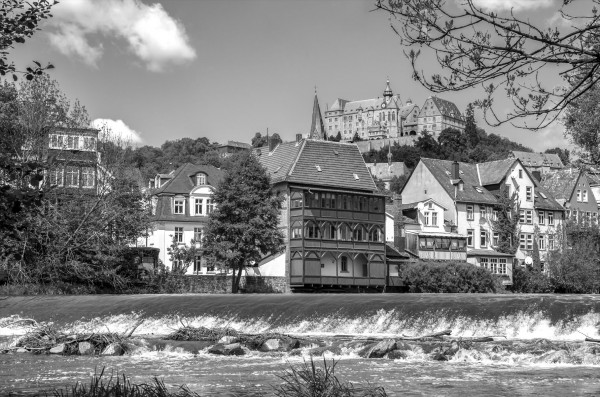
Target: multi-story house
x: 538, y: 163
x: 75, y: 160
x: 437, y: 114
x: 374, y: 118
x: 231, y: 147
x: 180, y: 209
x: 332, y: 219
x: 573, y: 189
x: 469, y: 193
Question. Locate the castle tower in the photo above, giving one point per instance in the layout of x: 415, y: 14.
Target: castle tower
x: 317, y: 128
x: 387, y: 94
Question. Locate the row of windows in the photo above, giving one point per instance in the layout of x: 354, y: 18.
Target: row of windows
x: 198, y: 234
x: 526, y: 217
x: 441, y: 243
x: 343, y: 232
x: 338, y: 201
x: 383, y: 116
x: 544, y: 242
x: 583, y: 216
x: 201, y: 206
x: 484, y: 212
x: 494, y: 265
x: 72, y: 142
x: 484, y: 238
x: 73, y: 177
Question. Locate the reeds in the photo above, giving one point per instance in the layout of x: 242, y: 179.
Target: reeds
x: 310, y: 380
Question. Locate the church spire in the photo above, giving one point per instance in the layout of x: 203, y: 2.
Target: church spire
x: 317, y: 128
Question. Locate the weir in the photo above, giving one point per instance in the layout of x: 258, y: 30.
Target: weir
x: 523, y: 331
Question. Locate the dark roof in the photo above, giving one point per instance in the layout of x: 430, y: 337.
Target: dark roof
x: 545, y: 203
x: 393, y: 253
x: 236, y: 144
x: 538, y: 159
x: 299, y: 162
x: 183, y: 181
x: 406, y: 109
x: 493, y: 172
x: 560, y: 183
x: 317, y: 129
x: 442, y: 171
x: 446, y: 108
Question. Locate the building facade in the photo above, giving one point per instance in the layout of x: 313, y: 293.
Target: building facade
x: 332, y: 219
x: 180, y: 209
x: 573, y: 188
x: 437, y: 114
x: 75, y: 160
x: 470, y: 193
x: 538, y: 163
x: 375, y: 118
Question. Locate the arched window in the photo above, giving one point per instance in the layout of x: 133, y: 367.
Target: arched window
x: 329, y: 231
x: 344, y: 232
x: 359, y: 234
x: 311, y: 230
x: 200, y: 179
x: 375, y: 234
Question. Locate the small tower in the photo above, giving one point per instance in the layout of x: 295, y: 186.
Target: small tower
x: 317, y: 128
x: 387, y: 94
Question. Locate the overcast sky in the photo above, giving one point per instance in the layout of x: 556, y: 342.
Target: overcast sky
x: 227, y: 69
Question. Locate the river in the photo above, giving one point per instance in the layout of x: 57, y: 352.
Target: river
x: 538, y: 347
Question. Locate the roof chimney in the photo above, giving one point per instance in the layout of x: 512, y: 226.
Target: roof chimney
x: 455, y: 170
x: 298, y: 137
x: 272, y: 143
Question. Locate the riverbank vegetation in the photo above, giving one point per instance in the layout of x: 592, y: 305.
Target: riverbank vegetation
x: 448, y: 277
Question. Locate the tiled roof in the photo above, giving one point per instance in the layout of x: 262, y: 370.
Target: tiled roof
x: 545, y: 203
x: 385, y: 171
x: 442, y: 171
x: 338, y: 104
x: 406, y: 109
x: 446, y: 108
x: 317, y: 129
x: 392, y: 252
x: 538, y: 159
x: 560, y: 183
x: 493, y: 172
x: 183, y: 181
x: 318, y: 163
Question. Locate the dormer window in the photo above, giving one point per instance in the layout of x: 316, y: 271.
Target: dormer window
x: 200, y: 179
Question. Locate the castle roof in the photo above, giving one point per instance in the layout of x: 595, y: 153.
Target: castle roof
x: 446, y: 107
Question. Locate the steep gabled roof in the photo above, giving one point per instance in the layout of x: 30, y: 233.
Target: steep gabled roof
x: 544, y: 200
x: 561, y: 183
x: 183, y: 181
x: 472, y: 192
x: 538, y: 159
x: 406, y: 109
x: 317, y: 128
x: 318, y: 163
x: 493, y: 172
x: 446, y: 107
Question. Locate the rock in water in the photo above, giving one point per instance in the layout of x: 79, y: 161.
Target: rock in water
x: 58, y: 349
x: 397, y: 355
x: 113, y: 349
x: 271, y: 345
x: 21, y: 350
x: 85, y: 348
x: 379, y: 349
x: 232, y: 349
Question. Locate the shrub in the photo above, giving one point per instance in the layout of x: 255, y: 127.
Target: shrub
x: 448, y: 277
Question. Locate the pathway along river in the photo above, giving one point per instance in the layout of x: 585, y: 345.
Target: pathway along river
x: 539, y: 347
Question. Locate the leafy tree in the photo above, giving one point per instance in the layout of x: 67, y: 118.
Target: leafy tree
x: 244, y: 226
x: 535, y: 254
x: 397, y: 183
x: 182, y: 255
x: 336, y: 138
x: 259, y: 140
x: 582, y: 125
x: 475, y: 45
x: 427, y: 144
x: 19, y: 21
x: 452, y: 144
x: 507, y: 222
x: 564, y: 154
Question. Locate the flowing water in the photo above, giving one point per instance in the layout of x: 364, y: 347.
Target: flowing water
x: 538, y: 347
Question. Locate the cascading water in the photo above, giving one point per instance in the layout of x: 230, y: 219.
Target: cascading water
x: 537, y: 338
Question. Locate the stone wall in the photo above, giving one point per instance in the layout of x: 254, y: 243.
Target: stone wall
x: 221, y: 284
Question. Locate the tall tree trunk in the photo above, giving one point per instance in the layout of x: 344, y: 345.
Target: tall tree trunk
x: 234, y: 286
x: 236, y: 279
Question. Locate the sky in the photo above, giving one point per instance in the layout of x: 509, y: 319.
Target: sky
x: 163, y: 70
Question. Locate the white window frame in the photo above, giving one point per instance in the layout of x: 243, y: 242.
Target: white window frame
x: 542, y: 242
x: 542, y: 217
x: 551, y: 218
x: 470, y: 212
x: 528, y: 193
x: 72, y: 177
x: 585, y: 196
x: 198, y: 204
x: 579, y: 195
x: 178, y: 206
x: 57, y: 177
x: 482, y: 238
x: 88, y: 177
x: 470, y: 235
x: 200, y: 179
x: 178, y: 234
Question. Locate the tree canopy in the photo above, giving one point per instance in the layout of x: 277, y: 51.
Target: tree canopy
x: 244, y: 227
x: 503, y: 53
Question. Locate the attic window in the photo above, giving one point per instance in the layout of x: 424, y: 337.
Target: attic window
x: 318, y: 167
x: 278, y: 168
x: 336, y: 152
x: 356, y: 176
x: 543, y: 195
x: 461, y: 172
x: 478, y: 189
x: 447, y: 172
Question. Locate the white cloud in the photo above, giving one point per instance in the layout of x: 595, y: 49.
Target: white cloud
x: 552, y: 136
x: 151, y: 34
x: 516, y: 5
x: 117, y: 131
